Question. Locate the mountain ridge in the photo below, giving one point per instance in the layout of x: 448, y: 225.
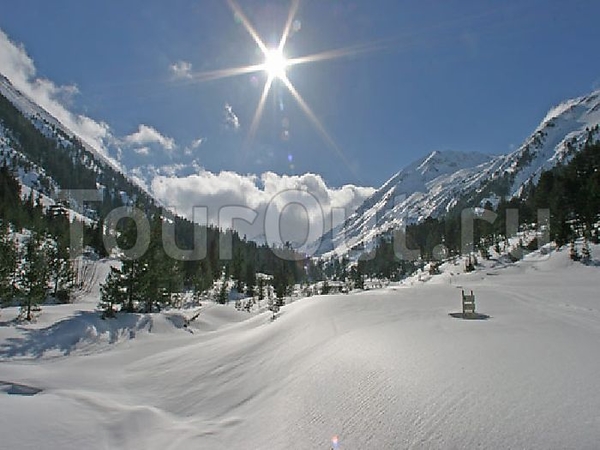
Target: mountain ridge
x: 432, y: 186
x: 445, y: 180
x: 49, y: 157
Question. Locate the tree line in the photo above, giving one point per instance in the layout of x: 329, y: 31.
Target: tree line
x: 154, y: 280
x: 570, y: 192
x: 40, y: 267
x: 60, y: 161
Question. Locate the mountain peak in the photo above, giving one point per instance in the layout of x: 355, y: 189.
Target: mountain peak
x: 440, y: 181
x: 586, y: 104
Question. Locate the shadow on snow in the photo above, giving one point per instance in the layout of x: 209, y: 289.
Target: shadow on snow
x: 73, y: 333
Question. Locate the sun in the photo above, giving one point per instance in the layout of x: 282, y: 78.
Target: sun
x: 275, y: 63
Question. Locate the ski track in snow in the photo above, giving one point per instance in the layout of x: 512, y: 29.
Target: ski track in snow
x: 383, y: 369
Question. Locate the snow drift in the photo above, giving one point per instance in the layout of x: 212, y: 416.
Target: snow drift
x: 377, y: 369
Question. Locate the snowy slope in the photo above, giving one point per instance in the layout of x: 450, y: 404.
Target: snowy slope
x: 48, y: 124
x: 424, y: 188
x: 382, y: 369
x: 441, y: 181
x: 33, y: 171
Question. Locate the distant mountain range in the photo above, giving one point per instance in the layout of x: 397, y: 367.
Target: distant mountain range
x: 446, y: 181
x: 440, y: 183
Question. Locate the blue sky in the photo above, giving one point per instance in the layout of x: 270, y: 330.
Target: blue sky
x: 460, y: 75
x: 430, y: 75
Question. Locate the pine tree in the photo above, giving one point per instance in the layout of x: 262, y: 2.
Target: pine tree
x: 586, y: 254
x: 470, y: 264
x: 261, y: 288
x: 155, y: 270
x: 35, y: 274
x: 281, y: 283
x: 223, y: 293
x: 174, y: 283
x: 573, y: 254
x: 152, y: 276
x: 10, y: 196
x: 325, y: 288
x: 203, y: 279
x: 250, y: 280
x: 237, y: 271
x: 8, y: 265
x: 112, y: 293
x: 161, y: 276
x: 61, y: 271
x: 357, y: 277
x: 133, y: 270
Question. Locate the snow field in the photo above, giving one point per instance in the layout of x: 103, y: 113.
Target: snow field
x: 379, y: 369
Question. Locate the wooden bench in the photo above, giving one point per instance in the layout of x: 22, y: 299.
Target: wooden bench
x: 468, y: 304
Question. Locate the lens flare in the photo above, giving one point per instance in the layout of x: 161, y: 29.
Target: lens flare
x: 275, y: 65
x: 335, y: 442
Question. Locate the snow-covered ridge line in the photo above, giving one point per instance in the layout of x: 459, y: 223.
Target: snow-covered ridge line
x: 81, y: 151
x: 437, y: 183
x: 47, y: 124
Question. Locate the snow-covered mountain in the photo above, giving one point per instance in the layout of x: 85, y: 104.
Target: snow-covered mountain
x: 47, y: 124
x: 48, y: 156
x: 445, y: 180
x: 432, y: 186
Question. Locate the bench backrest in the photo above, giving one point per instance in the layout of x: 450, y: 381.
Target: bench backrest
x: 468, y: 302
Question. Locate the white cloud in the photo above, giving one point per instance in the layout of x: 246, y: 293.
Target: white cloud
x: 147, y: 135
x: 214, y: 191
x: 193, y: 146
x: 277, y: 194
x: 197, y: 143
x: 144, y: 151
x: 231, y: 119
x: 19, y: 68
x: 181, y: 69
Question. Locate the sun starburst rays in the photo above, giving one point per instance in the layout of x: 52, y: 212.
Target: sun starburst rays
x: 226, y: 73
x: 337, y: 53
x: 288, y: 24
x: 259, y: 109
x: 316, y: 122
x: 242, y: 17
x: 275, y: 65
